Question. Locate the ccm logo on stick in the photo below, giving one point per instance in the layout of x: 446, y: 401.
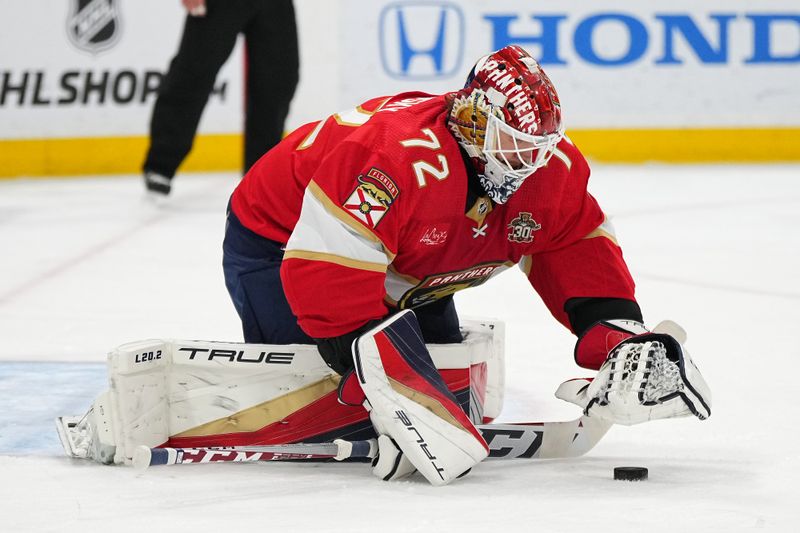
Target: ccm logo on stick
x: 240, y: 356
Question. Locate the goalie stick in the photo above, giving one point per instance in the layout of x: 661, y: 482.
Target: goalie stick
x: 537, y: 440
x: 544, y: 440
x: 144, y: 457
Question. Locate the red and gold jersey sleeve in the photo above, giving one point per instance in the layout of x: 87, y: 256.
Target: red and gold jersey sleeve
x: 336, y: 258
x: 583, y: 258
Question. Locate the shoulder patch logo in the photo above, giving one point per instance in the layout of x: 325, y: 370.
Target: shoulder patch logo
x: 372, y: 198
x: 522, y: 228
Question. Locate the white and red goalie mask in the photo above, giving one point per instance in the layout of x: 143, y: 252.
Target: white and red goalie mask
x: 508, y: 119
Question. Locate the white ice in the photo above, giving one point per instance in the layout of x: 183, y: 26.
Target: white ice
x: 87, y: 265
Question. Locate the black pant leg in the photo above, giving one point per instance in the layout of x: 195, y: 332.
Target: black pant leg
x: 439, y: 322
x: 273, y: 72
x: 205, y: 45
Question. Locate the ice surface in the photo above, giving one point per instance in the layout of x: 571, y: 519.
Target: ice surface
x: 87, y: 265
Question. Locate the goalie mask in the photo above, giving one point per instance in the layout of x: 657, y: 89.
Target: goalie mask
x: 508, y: 119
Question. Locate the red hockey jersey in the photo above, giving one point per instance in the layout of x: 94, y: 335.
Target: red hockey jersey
x: 379, y: 208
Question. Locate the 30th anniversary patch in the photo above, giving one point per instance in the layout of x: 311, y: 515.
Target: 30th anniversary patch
x: 522, y: 228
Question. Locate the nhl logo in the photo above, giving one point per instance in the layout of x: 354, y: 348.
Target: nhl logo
x: 93, y: 25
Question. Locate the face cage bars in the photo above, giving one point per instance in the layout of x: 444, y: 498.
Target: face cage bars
x: 523, y: 147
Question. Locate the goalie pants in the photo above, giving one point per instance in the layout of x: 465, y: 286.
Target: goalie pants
x: 272, y: 73
x: 252, y: 264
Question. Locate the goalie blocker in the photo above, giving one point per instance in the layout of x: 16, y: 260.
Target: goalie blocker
x: 409, y: 402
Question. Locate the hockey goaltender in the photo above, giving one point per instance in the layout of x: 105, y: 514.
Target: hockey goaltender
x: 343, y: 248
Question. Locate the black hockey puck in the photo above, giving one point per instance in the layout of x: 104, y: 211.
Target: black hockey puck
x: 630, y: 473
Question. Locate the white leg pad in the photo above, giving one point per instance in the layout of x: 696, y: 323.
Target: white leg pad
x: 409, y: 401
x: 163, y: 388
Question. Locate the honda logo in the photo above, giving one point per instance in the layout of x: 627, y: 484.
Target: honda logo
x: 421, y: 40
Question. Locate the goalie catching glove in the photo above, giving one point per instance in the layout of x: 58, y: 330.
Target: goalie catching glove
x: 646, y: 376
x: 419, y: 422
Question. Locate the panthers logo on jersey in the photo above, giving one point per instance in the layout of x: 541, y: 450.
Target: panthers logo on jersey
x: 438, y: 286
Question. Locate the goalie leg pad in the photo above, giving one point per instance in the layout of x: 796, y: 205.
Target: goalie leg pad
x: 409, y: 401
